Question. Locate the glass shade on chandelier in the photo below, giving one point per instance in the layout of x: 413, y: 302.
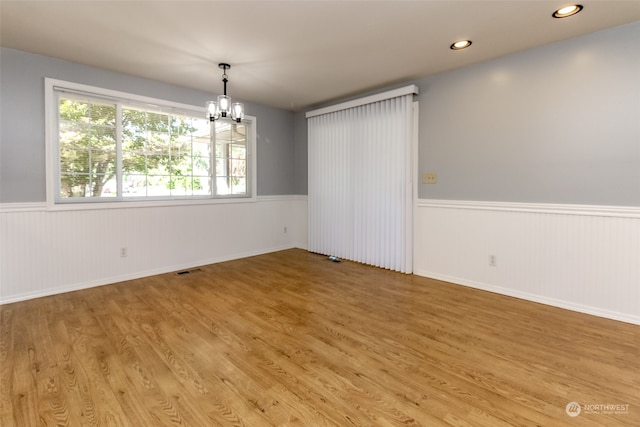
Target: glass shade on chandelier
x: 237, y: 111
x: 224, y: 107
x: 212, y: 110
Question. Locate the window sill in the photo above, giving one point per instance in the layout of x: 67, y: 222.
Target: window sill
x: 137, y: 204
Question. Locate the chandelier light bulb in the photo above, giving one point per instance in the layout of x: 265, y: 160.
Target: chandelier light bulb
x: 212, y: 111
x: 224, y: 104
x: 237, y: 112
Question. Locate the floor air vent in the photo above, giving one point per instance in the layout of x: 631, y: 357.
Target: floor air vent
x: 183, y: 272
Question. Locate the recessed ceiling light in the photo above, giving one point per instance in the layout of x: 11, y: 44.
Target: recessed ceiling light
x: 566, y: 11
x: 462, y: 44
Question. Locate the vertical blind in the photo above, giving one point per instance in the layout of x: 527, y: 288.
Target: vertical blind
x: 360, y: 183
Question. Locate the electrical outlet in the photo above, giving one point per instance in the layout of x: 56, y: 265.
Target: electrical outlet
x: 285, y: 230
x: 429, y: 178
x: 123, y: 252
x: 493, y: 260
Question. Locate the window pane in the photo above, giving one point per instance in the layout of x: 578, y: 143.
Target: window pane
x: 201, y: 146
x: 158, y: 143
x: 181, y: 186
x: 238, y: 168
x: 110, y: 189
x: 221, y: 166
x: 87, y: 147
x: 135, y: 185
x: 133, y: 162
x: 238, y: 185
x: 73, y: 185
x: 221, y: 149
x: 168, y: 148
x: 238, y: 151
x: 133, y: 124
x: 222, y: 185
x: 201, y: 166
x: 157, y: 164
x: 103, y: 115
x: 73, y: 134
x: 74, y: 110
x: 182, y: 168
x: 74, y: 161
x: 103, y: 138
x: 157, y: 122
x: 181, y: 146
x: 239, y: 133
x: 201, y: 185
x: 103, y: 162
x: 158, y: 185
x: 231, y: 155
x: 223, y: 131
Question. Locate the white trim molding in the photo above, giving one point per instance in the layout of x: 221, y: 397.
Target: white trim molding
x: 279, y: 198
x: 42, y: 206
x: 23, y: 207
x: 561, y: 209
x: 581, y: 258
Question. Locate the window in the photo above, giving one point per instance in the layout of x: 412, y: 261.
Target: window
x: 113, y: 147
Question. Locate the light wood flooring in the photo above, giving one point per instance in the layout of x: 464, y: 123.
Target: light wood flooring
x: 293, y: 339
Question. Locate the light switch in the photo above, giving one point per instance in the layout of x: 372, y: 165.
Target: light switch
x: 430, y: 178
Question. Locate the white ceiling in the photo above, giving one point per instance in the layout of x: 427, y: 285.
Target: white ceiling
x: 292, y: 54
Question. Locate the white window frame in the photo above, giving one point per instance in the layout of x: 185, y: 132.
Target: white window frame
x: 52, y: 152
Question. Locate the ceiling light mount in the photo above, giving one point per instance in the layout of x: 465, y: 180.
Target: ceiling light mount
x: 460, y: 44
x: 224, y: 108
x: 566, y: 11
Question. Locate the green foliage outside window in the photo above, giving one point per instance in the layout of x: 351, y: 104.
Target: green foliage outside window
x: 114, y: 150
x: 166, y: 153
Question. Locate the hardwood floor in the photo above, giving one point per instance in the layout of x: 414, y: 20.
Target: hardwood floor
x: 292, y: 339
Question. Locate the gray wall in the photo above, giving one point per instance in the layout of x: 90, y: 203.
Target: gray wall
x: 301, y: 154
x: 22, y: 146
x: 557, y: 124
x: 511, y: 130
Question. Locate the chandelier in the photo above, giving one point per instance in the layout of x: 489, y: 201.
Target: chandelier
x: 224, y: 107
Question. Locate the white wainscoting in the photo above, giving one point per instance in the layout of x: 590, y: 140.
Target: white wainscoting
x: 48, y: 252
x: 582, y: 258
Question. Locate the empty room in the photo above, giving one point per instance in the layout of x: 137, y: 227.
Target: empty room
x: 319, y: 213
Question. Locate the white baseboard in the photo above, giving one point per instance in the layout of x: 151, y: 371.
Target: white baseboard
x: 568, y: 305
x: 137, y: 275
